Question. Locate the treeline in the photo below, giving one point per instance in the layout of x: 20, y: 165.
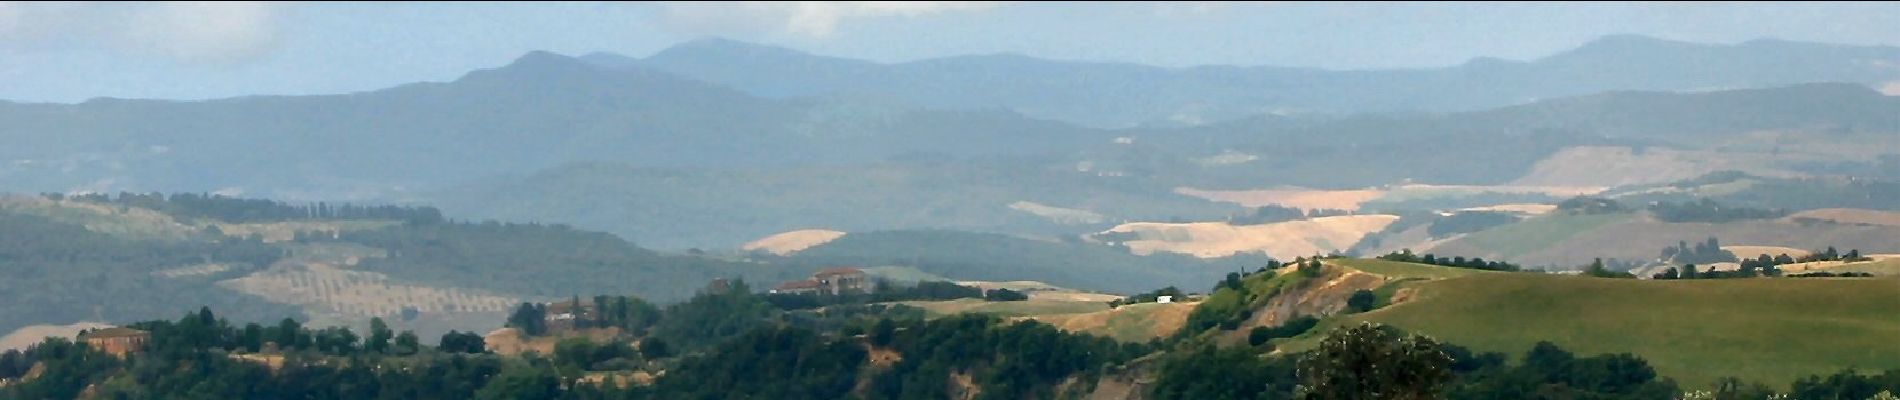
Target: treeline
x: 1478, y: 263
x: 1000, y: 360
x: 237, y: 210
x: 1373, y: 361
x: 1706, y: 252
x: 1268, y: 214
x: 60, y: 272
x: 1708, y: 211
x: 1765, y: 266
x: 202, y: 356
x: 882, y: 291
x: 1590, y: 206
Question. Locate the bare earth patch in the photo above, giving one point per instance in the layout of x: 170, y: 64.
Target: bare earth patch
x: 1301, y: 198
x: 1749, y: 252
x: 792, y: 242
x: 1060, y: 215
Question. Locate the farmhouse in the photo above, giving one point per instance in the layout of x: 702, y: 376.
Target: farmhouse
x: 833, y: 281
x: 568, y: 315
x: 116, y: 341
x: 806, y: 286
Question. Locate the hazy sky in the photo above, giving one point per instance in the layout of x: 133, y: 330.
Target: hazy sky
x: 66, y: 52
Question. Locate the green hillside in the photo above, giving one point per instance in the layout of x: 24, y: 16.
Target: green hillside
x: 1696, y: 331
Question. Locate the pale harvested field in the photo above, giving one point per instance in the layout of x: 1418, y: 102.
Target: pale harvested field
x: 1610, y: 166
x: 792, y: 242
x: 286, y: 231
x: 1426, y: 191
x: 1129, y: 323
x: 1282, y: 239
x: 19, y: 339
x: 1746, y: 252
x: 1850, y: 216
x: 1059, y: 215
x: 1521, y: 208
x: 1307, y: 199
x: 358, y: 293
x: 193, y: 270
x: 111, y: 220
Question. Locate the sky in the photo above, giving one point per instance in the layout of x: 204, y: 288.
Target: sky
x: 70, y: 52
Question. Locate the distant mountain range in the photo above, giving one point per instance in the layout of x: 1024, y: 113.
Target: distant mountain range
x: 1111, y: 95
x: 710, y: 127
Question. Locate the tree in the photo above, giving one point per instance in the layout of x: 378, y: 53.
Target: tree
x: 379, y: 335
x: 882, y: 332
x: 1372, y: 361
x: 1361, y: 301
x: 654, y: 349
x: 1001, y: 294
x: 407, y: 343
x: 458, y: 342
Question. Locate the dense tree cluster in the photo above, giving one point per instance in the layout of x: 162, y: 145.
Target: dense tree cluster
x: 883, y: 292
x: 1002, y: 294
x: 1825, y: 274
x: 237, y: 210
x: 1589, y: 206
x: 1406, y: 255
x: 1705, y: 252
x: 1292, y: 327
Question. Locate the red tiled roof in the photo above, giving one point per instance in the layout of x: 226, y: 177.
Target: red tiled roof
x: 113, y: 332
x: 838, y: 271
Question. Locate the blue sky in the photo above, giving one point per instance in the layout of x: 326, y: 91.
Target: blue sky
x: 67, y: 52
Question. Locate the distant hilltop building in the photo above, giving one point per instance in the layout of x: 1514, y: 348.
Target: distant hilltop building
x: 832, y: 281
x: 116, y: 341
x: 569, y: 315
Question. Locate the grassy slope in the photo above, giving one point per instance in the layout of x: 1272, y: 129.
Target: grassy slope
x: 1767, y: 330
x: 1537, y: 233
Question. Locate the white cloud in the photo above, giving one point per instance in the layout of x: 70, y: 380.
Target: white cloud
x: 808, y: 18
x: 204, y: 31
x: 1202, y: 8
x: 213, y: 32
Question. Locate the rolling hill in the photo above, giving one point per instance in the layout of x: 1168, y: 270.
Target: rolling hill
x: 1694, y: 331
x: 1126, y: 95
x: 1768, y: 330
x: 540, y: 111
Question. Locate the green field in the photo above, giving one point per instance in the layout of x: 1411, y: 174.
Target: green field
x: 1399, y: 270
x: 1537, y: 233
x: 1763, y: 330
